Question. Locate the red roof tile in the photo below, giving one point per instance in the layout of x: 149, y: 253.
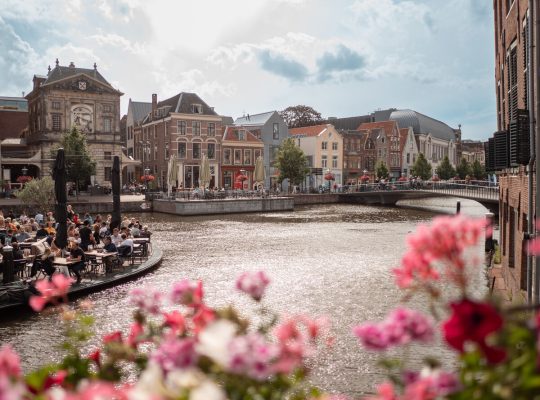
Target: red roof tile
x: 231, y: 134
x: 387, y: 126
x: 314, y: 130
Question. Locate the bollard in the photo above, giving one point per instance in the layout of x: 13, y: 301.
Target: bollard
x: 458, y: 207
x: 9, y: 267
x: 489, y: 245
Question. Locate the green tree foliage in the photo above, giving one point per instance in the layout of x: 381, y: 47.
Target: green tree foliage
x: 464, y: 168
x: 291, y: 162
x: 38, y: 193
x: 381, y: 170
x: 478, y: 170
x: 79, y: 164
x: 445, y: 170
x: 298, y: 116
x: 421, y: 167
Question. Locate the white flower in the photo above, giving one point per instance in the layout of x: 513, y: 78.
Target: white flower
x: 150, y: 383
x: 214, y: 341
x: 180, y: 379
x: 207, y: 390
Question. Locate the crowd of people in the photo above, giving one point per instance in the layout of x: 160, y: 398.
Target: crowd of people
x: 83, y: 234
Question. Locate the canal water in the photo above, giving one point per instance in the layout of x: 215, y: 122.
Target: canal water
x: 328, y: 260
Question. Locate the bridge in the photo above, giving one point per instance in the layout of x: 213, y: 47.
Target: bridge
x: 390, y: 193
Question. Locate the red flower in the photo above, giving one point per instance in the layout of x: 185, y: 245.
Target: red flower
x: 114, y: 337
x: 95, y: 356
x: 471, y: 321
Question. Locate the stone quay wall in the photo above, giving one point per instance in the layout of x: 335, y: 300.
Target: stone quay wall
x: 208, y: 207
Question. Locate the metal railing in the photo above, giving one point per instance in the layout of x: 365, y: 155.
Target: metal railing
x: 197, y: 195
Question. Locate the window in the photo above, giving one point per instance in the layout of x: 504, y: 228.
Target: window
x: 107, y: 108
x: 241, y: 135
x: 276, y: 131
x: 237, y: 156
x: 181, y: 150
x: 309, y: 161
x: 334, y: 145
x: 108, y: 173
x: 211, y: 129
x: 196, y: 109
x: 256, y: 154
x: 408, y: 158
x: 107, y: 124
x: 196, y: 150
x: 56, y: 125
x: 107, y: 155
x: 274, y: 150
x: 211, y: 151
x: 227, y: 156
x: 196, y: 128
x: 155, y: 132
x: 324, y: 162
x: 166, y: 151
x: 247, y: 157
x: 181, y: 127
x: 512, y: 81
x: 324, y: 145
x: 56, y: 105
x: 334, y: 161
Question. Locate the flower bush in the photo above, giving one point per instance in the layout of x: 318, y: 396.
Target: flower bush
x: 147, y: 178
x: 181, y: 348
x: 24, y: 179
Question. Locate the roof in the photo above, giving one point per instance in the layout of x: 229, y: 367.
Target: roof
x: 422, y: 124
x: 227, y: 120
x: 403, y: 134
x: 60, y: 72
x: 231, y: 134
x: 314, y: 130
x: 254, y: 120
x: 350, y: 132
x: 139, y: 110
x: 386, y: 126
x: 181, y: 103
x: 349, y: 123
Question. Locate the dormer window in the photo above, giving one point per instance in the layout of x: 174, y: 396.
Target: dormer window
x: 241, y: 135
x: 196, y: 108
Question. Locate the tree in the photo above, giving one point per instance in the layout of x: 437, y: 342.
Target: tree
x: 38, y: 193
x: 464, y: 168
x: 381, y: 170
x: 445, y: 170
x: 478, y: 170
x: 421, y: 167
x: 298, y: 116
x: 291, y: 162
x: 79, y: 164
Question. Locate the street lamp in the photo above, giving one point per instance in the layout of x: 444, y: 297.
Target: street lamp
x: 146, y: 173
x: 24, y: 171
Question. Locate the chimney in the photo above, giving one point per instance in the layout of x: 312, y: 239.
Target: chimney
x: 154, y: 102
x: 71, y: 64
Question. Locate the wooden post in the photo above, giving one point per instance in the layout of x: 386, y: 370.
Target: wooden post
x: 458, y: 207
x: 489, y: 245
x: 9, y: 267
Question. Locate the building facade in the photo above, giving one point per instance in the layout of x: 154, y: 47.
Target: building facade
x: 409, y: 151
x: 323, y: 147
x: 509, y: 146
x: 385, y: 138
x: 272, y: 130
x: 137, y: 111
x: 186, y: 126
x: 353, y: 156
x: 240, y: 149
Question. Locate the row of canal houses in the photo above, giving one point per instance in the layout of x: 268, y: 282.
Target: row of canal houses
x: 184, y: 125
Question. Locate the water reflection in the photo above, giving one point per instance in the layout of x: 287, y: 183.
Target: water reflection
x: 331, y: 260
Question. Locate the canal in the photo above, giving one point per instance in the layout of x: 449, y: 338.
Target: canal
x: 328, y: 260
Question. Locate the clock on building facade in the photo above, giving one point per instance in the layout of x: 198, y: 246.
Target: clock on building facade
x: 82, y: 117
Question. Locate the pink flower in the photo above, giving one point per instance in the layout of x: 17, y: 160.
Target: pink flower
x: 50, y: 291
x: 385, y: 391
x: 444, y: 242
x: 11, y: 390
x: 146, y: 300
x: 176, y: 321
x: 402, y: 326
x: 10, y: 364
x: 113, y: 337
x: 203, y: 316
x: 252, y: 355
x: 430, y: 386
x: 175, y: 353
x: 187, y: 292
x: 253, y: 284
x: 136, y: 331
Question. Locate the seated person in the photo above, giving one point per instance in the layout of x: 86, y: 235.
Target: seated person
x: 8, y: 238
x: 116, y: 237
x: 17, y: 252
x: 109, y: 248
x: 50, y: 228
x: 126, y: 247
x: 44, y: 263
x: 76, y: 254
x: 42, y: 232
x: 21, y: 235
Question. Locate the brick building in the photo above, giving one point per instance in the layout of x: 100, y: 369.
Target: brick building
x: 240, y: 149
x: 509, y: 147
x: 385, y: 138
x: 183, y: 125
x: 352, y: 156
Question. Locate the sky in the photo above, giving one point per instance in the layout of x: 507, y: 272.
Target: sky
x: 341, y: 57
